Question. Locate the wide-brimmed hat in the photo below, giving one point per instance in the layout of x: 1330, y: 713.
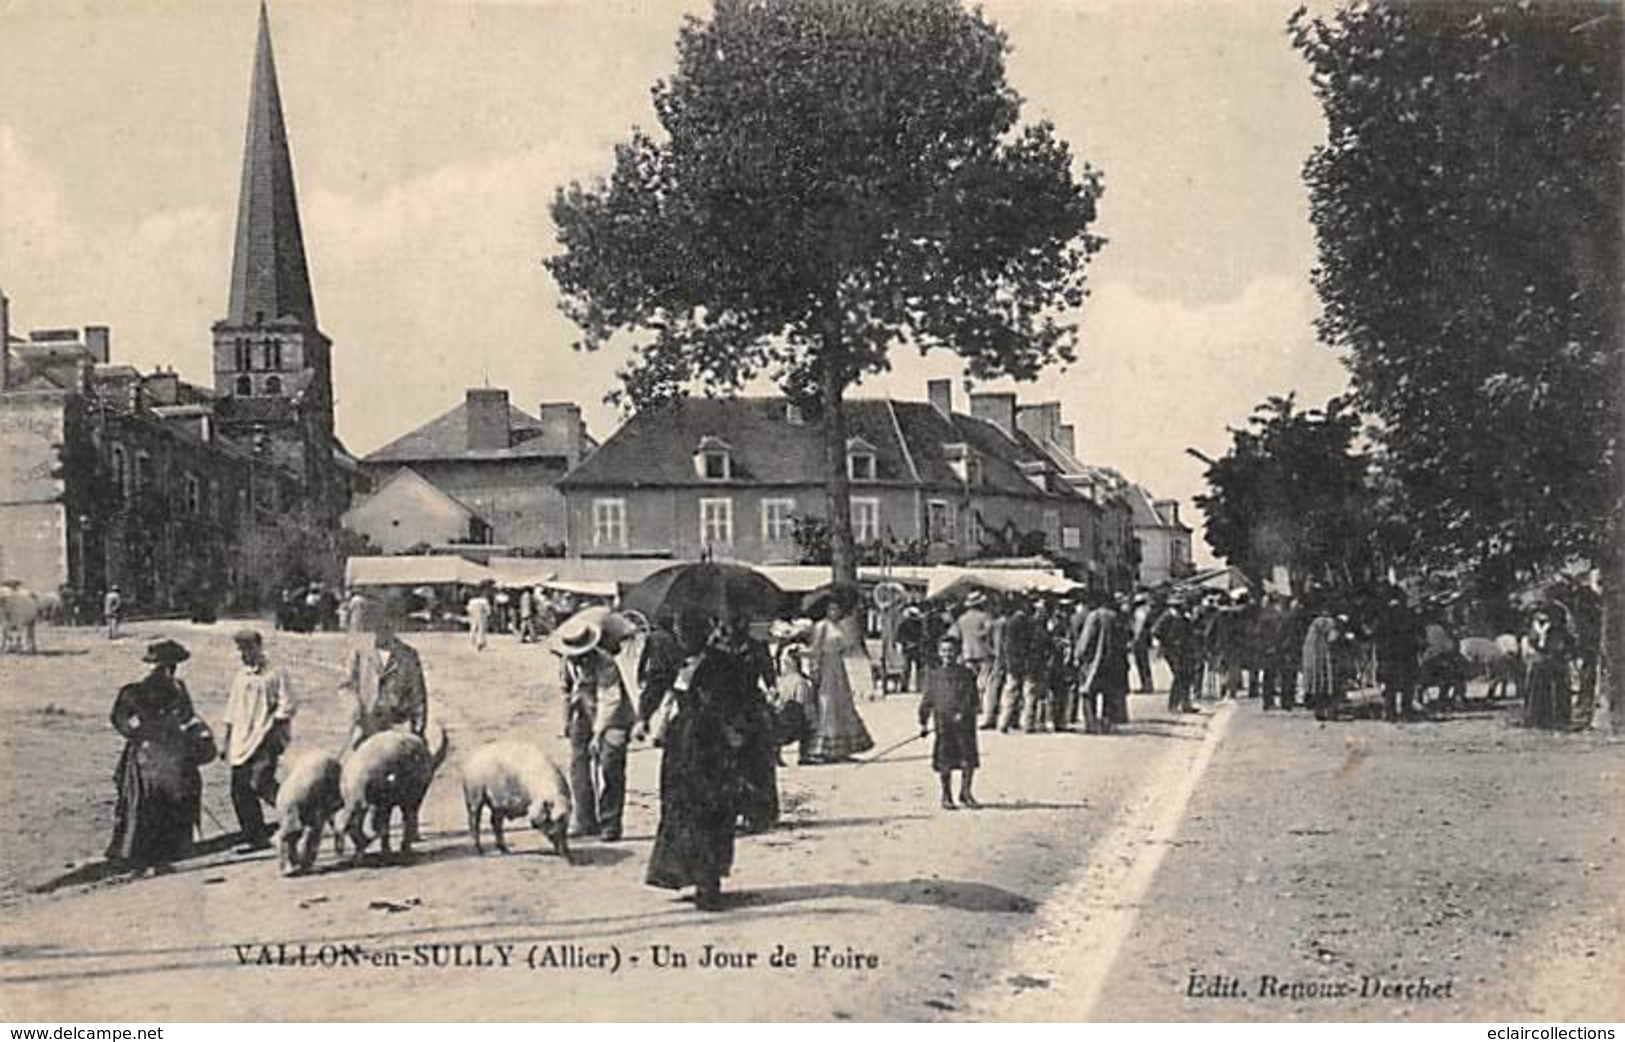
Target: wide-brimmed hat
x: 975, y: 599
x: 577, y: 636
x: 166, y: 653
x: 242, y: 637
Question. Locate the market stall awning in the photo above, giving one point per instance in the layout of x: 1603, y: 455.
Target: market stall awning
x: 414, y: 571
x: 1000, y: 580
x: 584, y: 587
x: 521, y: 571
x: 796, y: 578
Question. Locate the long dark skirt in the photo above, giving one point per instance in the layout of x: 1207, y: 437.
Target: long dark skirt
x: 955, y: 746
x: 694, y: 845
x: 1546, y: 694
x: 759, y: 787
x: 159, y: 799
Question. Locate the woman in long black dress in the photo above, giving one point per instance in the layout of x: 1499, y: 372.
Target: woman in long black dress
x: 701, y: 767
x: 1545, y: 686
x: 159, y: 789
x: 759, y: 759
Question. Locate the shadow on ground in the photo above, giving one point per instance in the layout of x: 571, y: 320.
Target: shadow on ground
x: 957, y: 894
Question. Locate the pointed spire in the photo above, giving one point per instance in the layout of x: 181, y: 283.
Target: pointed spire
x: 269, y: 278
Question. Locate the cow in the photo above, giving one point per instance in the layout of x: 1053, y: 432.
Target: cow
x: 1497, y: 659
x: 20, y: 610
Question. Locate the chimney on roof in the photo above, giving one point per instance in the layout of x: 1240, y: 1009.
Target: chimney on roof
x: 99, y: 342
x: 486, y: 409
x: 1041, y: 422
x: 997, y: 408
x: 158, y: 388
x: 562, y: 426
x: 940, y: 393
x: 1066, y: 436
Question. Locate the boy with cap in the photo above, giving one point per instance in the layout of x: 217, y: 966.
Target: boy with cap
x: 950, y: 696
x: 259, y: 712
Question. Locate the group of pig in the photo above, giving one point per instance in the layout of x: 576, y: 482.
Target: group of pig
x: 391, y: 771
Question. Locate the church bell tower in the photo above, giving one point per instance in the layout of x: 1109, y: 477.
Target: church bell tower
x: 272, y: 363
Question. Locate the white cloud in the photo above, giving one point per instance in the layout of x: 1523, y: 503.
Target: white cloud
x: 148, y: 279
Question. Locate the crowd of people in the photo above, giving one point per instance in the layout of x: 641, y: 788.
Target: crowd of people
x: 722, y: 696
x: 1054, y: 661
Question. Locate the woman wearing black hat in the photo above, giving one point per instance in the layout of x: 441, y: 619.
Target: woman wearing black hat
x: 159, y: 789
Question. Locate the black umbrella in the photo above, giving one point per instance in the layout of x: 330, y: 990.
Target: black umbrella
x: 719, y: 590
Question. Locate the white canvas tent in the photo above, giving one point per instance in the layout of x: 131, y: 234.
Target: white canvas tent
x: 1002, y: 580
x: 521, y: 571
x: 415, y: 571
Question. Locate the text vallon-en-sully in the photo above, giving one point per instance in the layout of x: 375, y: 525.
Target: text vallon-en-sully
x: 568, y: 956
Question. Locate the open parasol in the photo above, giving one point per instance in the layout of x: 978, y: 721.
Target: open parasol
x: 717, y: 589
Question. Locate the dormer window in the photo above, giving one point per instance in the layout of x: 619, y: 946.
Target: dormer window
x: 713, y: 459
x: 1034, y: 471
x: 860, y: 460
x: 966, y: 465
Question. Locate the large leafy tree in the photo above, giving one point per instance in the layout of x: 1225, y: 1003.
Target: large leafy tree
x: 833, y: 178
x: 1467, y: 205
x: 1292, y: 491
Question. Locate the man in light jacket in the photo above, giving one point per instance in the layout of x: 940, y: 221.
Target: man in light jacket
x: 598, y: 720
x: 259, y: 714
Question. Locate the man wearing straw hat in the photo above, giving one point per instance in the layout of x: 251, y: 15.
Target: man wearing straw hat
x: 598, y: 720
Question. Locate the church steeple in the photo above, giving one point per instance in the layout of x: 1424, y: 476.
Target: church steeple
x: 269, y: 279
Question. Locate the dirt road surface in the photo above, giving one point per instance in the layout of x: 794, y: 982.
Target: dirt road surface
x: 1101, y: 875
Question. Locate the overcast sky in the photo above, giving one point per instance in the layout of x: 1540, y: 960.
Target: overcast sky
x: 428, y: 139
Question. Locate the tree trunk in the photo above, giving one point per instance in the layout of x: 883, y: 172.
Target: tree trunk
x: 832, y: 385
x: 1611, y: 634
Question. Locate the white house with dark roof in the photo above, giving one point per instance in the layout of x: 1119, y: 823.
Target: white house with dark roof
x: 499, y: 461
x: 408, y: 511
x: 1165, y: 540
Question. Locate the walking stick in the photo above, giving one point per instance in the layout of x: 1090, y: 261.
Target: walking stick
x: 205, y: 808
x: 893, y: 748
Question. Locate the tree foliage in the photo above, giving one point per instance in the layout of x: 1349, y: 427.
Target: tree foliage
x: 294, y: 548
x: 834, y: 178
x: 1293, y: 492
x: 1467, y: 206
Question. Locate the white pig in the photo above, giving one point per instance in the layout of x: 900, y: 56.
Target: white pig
x: 390, y: 769
x: 517, y: 780
x: 306, y: 801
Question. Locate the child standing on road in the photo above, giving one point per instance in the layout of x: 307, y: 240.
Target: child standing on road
x: 950, y: 695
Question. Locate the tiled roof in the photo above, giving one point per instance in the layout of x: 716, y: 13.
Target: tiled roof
x: 1145, y: 509
x: 446, y: 438
x: 656, y: 446
x: 408, y: 476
